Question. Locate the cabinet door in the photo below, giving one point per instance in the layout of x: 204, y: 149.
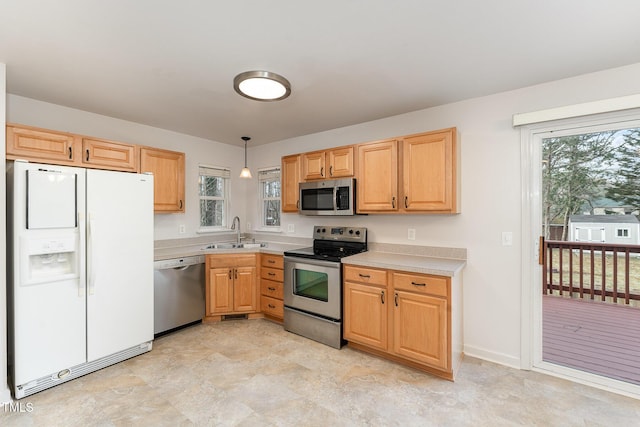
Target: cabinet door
x: 290, y: 178
x: 109, y: 155
x: 428, y: 170
x: 365, y: 315
x: 245, y: 292
x: 167, y: 168
x: 40, y: 145
x: 378, y: 176
x: 420, y: 328
x: 313, y: 166
x: 220, y: 290
x: 340, y: 162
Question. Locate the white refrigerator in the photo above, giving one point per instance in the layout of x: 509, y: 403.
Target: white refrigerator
x: 80, y: 264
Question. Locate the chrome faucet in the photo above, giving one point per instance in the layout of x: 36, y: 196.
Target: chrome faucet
x: 233, y: 226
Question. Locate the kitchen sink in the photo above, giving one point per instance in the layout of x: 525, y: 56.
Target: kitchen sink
x: 229, y: 245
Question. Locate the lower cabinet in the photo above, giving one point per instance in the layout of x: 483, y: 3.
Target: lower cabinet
x: 271, y: 286
x: 231, y: 285
x: 402, y: 316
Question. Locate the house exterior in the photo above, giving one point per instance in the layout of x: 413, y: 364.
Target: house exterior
x: 617, y: 229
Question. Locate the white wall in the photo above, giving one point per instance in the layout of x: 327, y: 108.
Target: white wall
x: 491, y: 195
x: 4, y: 388
x: 198, y: 151
x: 490, y: 176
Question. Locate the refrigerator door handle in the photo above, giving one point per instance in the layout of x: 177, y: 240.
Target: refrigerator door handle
x: 91, y: 254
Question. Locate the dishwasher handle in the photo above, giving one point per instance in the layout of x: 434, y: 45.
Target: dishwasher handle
x: 178, y: 264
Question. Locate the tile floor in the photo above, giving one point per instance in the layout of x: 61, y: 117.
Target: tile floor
x: 253, y: 373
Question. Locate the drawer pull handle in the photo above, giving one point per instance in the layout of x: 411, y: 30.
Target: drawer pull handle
x: 272, y: 306
x: 271, y: 288
x: 271, y: 274
x: 418, y: 284
x: 270, y: 261
x: 364, y: 276
x: 382, y: 296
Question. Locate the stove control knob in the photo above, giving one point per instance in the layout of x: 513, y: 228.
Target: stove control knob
x: 324, y: 230
x: 350, y: 231
x: 318, y: 230
x: 357, y: 232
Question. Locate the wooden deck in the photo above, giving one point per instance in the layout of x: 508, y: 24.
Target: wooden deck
x: 592, y: 336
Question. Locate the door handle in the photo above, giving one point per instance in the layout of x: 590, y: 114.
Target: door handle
x: 331, y: 170
x: 87, y: 155
x: 235, y: 273
x: 393, y: 202
x: 395, y: 299
x: 406, y: 201
x: 382, y: 296
x: 70, y: 153
x: 322, y: 171
x: 180, y: 204
x: 229, y: 274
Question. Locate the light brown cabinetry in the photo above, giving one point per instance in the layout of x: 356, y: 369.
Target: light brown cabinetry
x: 42, y: 145
x: 403, y: 316
x: 168, y: 172
x: 366, y: 300
x: 61, y: 148
x: 271, y: 286
x: 102, y: 154
x: 415, y: 173
x: 290, y: 178
x: 378, y: 176
x: 328, y: 164
x: 231, y: 285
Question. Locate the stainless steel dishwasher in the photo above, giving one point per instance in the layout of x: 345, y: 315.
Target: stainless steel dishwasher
x: 178, y: 292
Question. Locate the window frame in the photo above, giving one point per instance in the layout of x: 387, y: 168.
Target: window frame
x: 623, y: 229
x: 264, y: 175
x: 225, y: 174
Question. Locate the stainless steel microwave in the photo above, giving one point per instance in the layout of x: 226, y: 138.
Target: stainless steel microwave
x: 328, y: 197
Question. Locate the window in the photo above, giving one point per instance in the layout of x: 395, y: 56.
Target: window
x: 622, y: 232
x: 269, y: 181
x: 213, y: 186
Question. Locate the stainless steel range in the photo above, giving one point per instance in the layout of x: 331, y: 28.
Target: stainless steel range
x: 313, y: 283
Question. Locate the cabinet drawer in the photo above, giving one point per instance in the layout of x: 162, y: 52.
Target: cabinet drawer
x: 421, y: 283
x: 272, y: 306
x: 272, y: 274
x: 272, y: 261
x: 231, y: 260
x: 365, y: 275
x: 271, y: 289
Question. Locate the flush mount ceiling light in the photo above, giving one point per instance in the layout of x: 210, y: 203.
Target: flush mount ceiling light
x: 245, y: 172
x: 262, y: 85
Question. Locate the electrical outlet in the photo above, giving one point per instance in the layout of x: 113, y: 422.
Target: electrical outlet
x: 507, y: 238
x: 291, y: 228
x: 411, y: 234
x: 182, y: 229
x: 248, y: 226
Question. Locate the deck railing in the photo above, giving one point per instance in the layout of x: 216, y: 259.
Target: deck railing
x: 608, y: 272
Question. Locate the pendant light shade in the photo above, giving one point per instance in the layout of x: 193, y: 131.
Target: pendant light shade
x: 245, y: 172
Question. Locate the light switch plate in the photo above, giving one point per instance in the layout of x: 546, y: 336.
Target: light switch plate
x: 182, y: 229
x: 411, y: 234
x: 507, y: 238
x: 291, y: 228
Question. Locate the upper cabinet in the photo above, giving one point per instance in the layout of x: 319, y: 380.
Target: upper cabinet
x: 61, y: 148
x: 168, y: 171
x: 42, y: 145
x: 290, y: 177
x: 328, y: 164
x: 110, y: 155
x: 429, y: 169
x: 377, y: 180
x: 416, y: 173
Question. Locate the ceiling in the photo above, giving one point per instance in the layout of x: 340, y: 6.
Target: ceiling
x: 171, y: 64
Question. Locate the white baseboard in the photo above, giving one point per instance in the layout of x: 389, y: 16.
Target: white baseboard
x: 491, y: 356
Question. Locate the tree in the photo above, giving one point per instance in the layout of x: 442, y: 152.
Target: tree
x: 625, y: 186
x: 575, y: 171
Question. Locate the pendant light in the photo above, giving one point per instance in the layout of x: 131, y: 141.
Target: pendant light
x: 245, y: 173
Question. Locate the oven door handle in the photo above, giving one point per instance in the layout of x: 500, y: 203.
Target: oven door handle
x: 311, y: 261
